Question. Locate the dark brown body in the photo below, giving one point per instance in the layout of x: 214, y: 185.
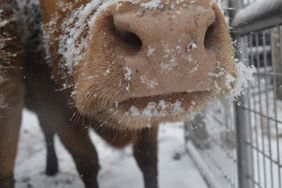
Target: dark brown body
x: 11, y: 90
x: 55, y: 116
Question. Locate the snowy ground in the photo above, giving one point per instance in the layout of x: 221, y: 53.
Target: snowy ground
x: 119, y: 169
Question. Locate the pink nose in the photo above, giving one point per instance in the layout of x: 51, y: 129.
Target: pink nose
x: 162, y: 51
x: 165, y: 51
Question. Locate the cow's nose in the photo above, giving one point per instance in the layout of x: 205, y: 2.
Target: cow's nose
x: 141, y: 29
x: 166, y: 51
x: 170, y: 51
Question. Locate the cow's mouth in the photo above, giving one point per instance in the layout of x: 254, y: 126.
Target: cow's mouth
x: 186, y: 99
x: 140, y: 112
x: 163, y: 106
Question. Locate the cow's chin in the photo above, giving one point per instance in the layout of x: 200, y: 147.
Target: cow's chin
x: 138, y: 113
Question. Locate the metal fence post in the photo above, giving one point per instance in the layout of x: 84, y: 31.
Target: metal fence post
x: 244, y: 155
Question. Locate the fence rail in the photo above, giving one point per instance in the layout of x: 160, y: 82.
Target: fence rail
x: 257, y: 16
x: 239, y: 146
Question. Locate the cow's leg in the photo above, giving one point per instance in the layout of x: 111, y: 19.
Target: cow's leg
x: 11, y: 91
x: 52, y: 160
x: 10, y: 119
x: 146, y: 154
x: 9, y: 135
x: 77, y: 141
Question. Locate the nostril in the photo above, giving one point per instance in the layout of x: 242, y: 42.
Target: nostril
x: 209, y: 36
x: 130, y: 38
x: 126, y: 35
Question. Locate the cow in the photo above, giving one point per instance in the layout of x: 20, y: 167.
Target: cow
x: 122, y: 67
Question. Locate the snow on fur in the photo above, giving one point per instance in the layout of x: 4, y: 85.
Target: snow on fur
x: 151, y: 4
x: 160, y: 109
x: 72, y: 46
x: 8, y: 50
x: 245, y: 79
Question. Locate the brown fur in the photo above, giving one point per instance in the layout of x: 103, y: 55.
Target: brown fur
x: 11, y: 91
x: 95, y: 101
x: 106, y: 52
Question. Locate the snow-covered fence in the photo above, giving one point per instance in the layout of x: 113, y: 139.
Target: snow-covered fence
x: 240, y: 146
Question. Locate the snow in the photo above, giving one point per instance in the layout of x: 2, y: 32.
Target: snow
x: 151, y: 4
x: 176, y: 169
x: 128, y: 74
x: 150, y: 84
x: 71, y: 44
x: 154, y: 109
x: 151, y: 51
x: 245, y: 79
x: 169, y: 60
x: 127, y: 77
x: 192, y: 45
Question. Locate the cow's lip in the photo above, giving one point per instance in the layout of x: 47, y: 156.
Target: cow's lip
x: 120, y: 115
x: 141, y: 113
x: 190, y: 103
x: 187, y: 99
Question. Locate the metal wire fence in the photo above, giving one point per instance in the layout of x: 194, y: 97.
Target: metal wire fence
x: 239, y: 146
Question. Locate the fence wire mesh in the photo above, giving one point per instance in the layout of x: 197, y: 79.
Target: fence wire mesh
x: 263, y: 106
x: 214, y: 137
x: 241, y: 145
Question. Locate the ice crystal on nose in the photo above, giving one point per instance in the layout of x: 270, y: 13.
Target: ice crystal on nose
x: 134, y: 111
x: 169, y: 60
x: 127, y: 77
x: 157, y: 109
x: 153, y: 4
x: 150, y: 84
x: 127, y: 74
x: 151, y: 51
